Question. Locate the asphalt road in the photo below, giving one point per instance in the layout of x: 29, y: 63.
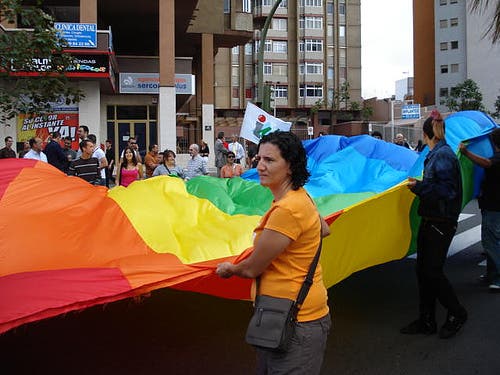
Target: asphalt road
x: 175, y: 332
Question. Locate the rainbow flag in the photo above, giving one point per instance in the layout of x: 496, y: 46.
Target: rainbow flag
x: 66, y: 245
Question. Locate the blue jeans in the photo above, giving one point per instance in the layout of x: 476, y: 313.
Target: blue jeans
x: 490, y: 238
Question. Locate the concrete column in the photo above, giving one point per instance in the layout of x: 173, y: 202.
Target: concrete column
x: 166, y: 101
x: 88, y: 11
x: 89, y: 112
x: 207, y: 93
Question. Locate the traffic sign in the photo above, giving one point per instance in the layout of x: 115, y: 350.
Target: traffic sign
x: 410, y: 111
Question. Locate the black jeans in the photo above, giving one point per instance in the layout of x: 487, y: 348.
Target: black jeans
x: 434, y: 239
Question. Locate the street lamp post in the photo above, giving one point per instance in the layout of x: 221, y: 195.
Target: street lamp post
x: 260, y: 55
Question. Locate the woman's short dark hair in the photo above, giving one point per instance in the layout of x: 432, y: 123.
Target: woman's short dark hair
x: 166, y: 153
x: 293, y: 152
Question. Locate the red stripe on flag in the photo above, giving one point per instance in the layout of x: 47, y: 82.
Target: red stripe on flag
x: 55, y: 292
x: 10, y: 169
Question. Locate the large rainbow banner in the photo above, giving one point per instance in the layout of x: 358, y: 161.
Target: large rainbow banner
x: 66, y: 245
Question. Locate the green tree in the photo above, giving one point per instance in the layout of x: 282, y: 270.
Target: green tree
x: 343, y: 96
x: 494, y: 27
x: 366, y: 112
x: 36, y: 48
x: 465, y: 96
x: 496, y: 114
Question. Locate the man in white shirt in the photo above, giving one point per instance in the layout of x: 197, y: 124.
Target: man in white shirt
x: 101, y: 156
x: 36, y: 150
x: 237, y: 149
x: 196, y: 165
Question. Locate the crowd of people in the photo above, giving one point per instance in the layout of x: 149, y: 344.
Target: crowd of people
x: 95, y: 163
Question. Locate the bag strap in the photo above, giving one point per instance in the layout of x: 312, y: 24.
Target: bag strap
x: 306, y: 285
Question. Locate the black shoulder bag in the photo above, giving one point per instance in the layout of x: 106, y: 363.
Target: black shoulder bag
x: 273, y: 322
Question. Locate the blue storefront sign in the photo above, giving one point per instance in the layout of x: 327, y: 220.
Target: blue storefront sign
x: 410, y: 111
x: 78, y: 35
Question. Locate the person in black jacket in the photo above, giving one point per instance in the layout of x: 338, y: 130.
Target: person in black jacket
x: 489, y: 203
x: 440, y: 193
x: 54, y: 152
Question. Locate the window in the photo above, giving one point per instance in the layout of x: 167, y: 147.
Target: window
x: 443, y: 91
x: 227, y: 6
x: 235, y: 50
x: 454, y: 44
x: 443, y: 2
x: 453, y: 22
x: 453, y: 1
x: 310, y: 68
x: 342, y: 31
x: 248, y: 49
x: 268, y: 45
x: 342, y: 9
x: 331, y: 71
x: 454, y: 68
x: 280, y: 46
x: 444, y: 68
x: 313, y: 91
x: 247, y: 6
x: 443, y: 46
x: 329, y: 8
x: 268, y: 68
x: 443, y: 24
x: 235, y: 73
x: 280, y: 24
x: 311, y: 3
x: 311, y: 23
x: 281, y: 91
x: 311, y: 45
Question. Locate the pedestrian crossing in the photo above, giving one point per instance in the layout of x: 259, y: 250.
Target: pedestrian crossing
x: 464, y: 239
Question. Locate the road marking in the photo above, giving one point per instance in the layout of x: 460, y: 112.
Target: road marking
x: 465, y: 239
x: 462, y: 217
x: 462, y: 241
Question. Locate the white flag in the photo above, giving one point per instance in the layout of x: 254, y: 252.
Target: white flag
x: 257, y: 123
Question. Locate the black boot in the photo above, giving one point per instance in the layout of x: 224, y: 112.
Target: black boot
x: 452, y: 324
x: 425, y: 325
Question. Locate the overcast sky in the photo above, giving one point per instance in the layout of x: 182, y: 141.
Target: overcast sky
x: 386, y: 45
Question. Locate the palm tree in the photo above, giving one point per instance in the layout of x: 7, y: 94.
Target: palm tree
x: 494, y: 26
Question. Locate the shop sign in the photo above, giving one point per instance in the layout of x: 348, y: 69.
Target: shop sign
x: 78, y: 35
x: 149, y: 83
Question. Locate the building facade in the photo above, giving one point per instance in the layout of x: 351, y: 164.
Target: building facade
x: 450, y: 47
x: 150, y: 72
x: 312, y: 49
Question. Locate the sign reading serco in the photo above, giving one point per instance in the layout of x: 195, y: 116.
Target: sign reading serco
x: 149, y: 83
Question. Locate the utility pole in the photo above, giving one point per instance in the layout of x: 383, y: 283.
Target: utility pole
x: 262, y: 98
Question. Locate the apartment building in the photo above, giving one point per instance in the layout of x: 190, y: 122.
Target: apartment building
x: 313, y: 47
x: 450, y: 47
